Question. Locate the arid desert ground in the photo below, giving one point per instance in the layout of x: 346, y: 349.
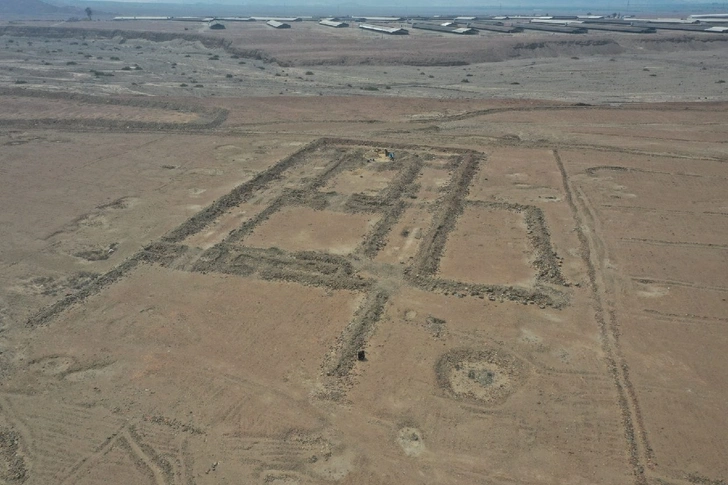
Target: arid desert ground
x: 212, y: 273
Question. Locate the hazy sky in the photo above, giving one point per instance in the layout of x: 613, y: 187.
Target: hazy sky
x: 398, y: 7
x: 389, y: 4
x: 311, y: 2
x: 473, y: 3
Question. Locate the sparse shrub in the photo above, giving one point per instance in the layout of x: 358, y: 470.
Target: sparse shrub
x: 515, y: 82
x: 71, y: 63
x: 199, y: 86
x: 309, y: 73
x: 575, y: 58
x: 20, y: 81
x: 387, y: 87
x: 183, y: 85
x: 235, y: 56
x: 720, y: 81
x: 126, y: 68
x: 464, y: 81
x: 114, y: 58
x: 228, y: 76
x: 370, y: 88
x: 241, y: 62
x: 431, y: 76
x: 468, y: 75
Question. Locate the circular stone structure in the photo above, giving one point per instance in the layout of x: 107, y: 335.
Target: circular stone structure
x: 410, y: 439
x: 487, y: 376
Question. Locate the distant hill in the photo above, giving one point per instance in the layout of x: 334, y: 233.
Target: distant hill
x: 34, y: 7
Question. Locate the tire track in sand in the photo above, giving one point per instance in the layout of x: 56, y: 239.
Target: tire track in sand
x: 638, y: 447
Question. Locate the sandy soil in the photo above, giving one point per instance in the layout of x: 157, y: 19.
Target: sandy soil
x: 14, y: 108
x: 200, y: 289
x: 488, y: 246
x: 304, y: 229
x: 251, y: 59
x: 402, y: 241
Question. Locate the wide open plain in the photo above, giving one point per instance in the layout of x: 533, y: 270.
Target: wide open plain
x: 233, y: 284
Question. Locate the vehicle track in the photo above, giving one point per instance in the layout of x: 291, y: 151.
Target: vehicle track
x: 658, y: 242
x: 207, y: 118
x: 639, y: 450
